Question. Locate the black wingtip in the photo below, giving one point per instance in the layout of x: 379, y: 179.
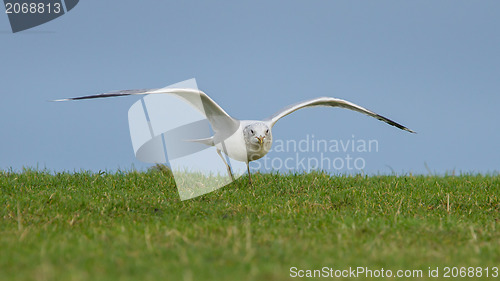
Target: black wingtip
x: 395, y: 124
x: 409, y: 130
x: 109, y: 95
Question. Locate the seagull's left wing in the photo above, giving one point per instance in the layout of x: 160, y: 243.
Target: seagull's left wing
x: 326, y: 101
x: 218, y: 118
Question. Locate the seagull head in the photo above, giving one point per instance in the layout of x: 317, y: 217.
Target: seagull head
x: 258, y: 134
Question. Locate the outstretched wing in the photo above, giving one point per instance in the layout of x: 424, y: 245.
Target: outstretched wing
x: 326, y: 101
x: 218, y: 118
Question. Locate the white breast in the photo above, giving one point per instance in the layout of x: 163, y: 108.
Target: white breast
x: 234, y: 146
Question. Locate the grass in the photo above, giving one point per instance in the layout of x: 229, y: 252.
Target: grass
x: 133, y: 226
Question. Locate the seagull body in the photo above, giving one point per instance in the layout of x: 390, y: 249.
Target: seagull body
x: 241, y: 140
x: 252, y: 135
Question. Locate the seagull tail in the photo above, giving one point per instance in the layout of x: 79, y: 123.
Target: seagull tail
x: 206, y: 141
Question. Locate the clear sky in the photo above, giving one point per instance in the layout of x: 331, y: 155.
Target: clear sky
x: 433, y: 66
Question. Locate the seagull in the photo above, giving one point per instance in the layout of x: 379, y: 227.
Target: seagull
x: 240, y: 140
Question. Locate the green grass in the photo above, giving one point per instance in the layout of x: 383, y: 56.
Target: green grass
x: 133, y: 226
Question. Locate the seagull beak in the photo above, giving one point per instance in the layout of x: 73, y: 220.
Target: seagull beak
x: 261, y: 140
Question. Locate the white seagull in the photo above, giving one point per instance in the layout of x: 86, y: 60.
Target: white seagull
x: 241, y: 140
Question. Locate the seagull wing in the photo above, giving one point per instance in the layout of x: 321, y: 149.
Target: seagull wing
x: 218, y: 118
x: 326, y: 101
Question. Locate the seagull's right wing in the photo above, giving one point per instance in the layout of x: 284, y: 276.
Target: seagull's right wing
x: 327, y: 101
x: 218, y: 118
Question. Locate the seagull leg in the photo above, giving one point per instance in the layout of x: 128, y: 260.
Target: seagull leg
x: 227, y: 166
x: 249, y: 176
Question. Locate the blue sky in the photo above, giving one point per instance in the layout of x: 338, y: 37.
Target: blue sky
x: 433, y: 66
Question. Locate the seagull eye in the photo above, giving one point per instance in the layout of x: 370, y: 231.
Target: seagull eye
x: 252, y: 132
x: 267, y: 131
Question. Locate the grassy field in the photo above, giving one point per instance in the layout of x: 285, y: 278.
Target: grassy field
x: 133, y: 226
